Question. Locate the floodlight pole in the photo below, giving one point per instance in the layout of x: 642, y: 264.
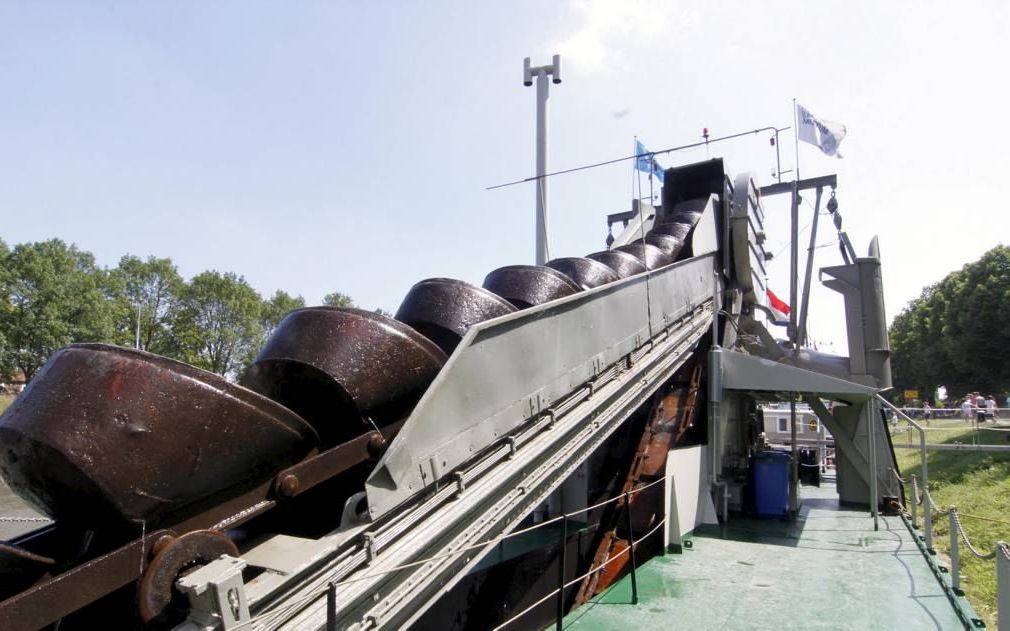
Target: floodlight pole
x: 543, y: 93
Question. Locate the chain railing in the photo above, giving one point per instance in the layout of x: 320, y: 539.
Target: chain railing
x: 959, y: 537
x: 1000, y: 552
x: 26, y: 520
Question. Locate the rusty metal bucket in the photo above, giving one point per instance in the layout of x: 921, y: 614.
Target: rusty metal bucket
x: 622, y: 263
x: 104, y: 434
x: 526, y: 286
x: 650, y: 255
x: 342, y: 369
x: 442, y: 309
x: 585, y: 272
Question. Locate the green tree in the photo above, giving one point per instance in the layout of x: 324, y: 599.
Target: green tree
x: 218, y: 323
x: 975, y: 335
x: 337, y: 299
x: 953, y: 333
x: 5, y: 312
x: 274, y: 310
x: 54, y: 295
x: 149, y: 290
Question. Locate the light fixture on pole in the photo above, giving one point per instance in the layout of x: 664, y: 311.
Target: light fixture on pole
x: 543, y: 93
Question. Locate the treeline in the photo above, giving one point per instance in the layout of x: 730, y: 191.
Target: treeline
x: 54, y: 294
x: 957, y: 333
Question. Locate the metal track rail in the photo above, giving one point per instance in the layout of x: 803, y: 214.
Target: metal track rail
x: 397, y: 567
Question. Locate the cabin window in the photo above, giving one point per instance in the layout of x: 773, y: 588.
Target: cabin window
x: 783, y: 424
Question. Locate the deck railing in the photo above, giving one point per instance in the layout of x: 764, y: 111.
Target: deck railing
x: 958, y: 538
x: 928, y: 517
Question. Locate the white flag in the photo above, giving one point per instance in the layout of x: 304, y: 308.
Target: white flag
x: 826, y: 135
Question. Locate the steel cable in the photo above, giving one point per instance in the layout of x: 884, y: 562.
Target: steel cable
x: 554, y: 592
x: 632, y: 157
x: 286, y: 610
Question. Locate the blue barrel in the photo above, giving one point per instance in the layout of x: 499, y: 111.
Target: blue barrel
x: 771, y: 483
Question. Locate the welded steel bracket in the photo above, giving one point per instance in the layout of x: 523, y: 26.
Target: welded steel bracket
x: 216, y: 594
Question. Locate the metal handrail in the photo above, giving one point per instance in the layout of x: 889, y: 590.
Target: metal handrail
x: 1003, y: 585
x: 927, y: 514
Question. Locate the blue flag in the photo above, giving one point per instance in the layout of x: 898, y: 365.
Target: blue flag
x: 647, y: 162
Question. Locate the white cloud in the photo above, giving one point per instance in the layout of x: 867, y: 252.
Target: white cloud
x: 605, y: 34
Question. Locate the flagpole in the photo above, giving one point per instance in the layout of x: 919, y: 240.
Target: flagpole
x: 796, y: 139
x: 634, y: 165
x: 794, y: 238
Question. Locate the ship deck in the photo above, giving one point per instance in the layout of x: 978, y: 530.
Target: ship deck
x: 828, y: 569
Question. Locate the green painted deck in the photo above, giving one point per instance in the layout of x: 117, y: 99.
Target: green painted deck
x: 827, y: 570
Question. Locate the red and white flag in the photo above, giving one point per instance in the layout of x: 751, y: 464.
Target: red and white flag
x: 778, y: 307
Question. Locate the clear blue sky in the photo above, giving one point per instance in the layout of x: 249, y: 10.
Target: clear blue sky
x: 315, y: 147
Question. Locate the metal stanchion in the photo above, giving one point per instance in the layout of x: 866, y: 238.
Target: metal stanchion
x: 631, y: 549
x: 331, y: 607
x: 794, y: 463
x: 1003, y: 585
x: 955, y: 553
x: 927, y: 513
x: 872, y: 419
x: 915, y: 502
x: 562, y: 558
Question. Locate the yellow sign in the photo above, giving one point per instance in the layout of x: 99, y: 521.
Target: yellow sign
x: 911, y: 394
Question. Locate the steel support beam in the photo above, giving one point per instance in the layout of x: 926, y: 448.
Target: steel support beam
x: 445, y: 527
x: 801, y: 185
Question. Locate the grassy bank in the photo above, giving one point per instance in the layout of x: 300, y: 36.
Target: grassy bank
x: 978, y: 483
x: 4, y: 402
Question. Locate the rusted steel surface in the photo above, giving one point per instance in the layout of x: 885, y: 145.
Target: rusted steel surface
x: 646, y: 507
x: 647, y: 253
x: 96, y: 578
x: 304, y: 476
x: 336, y: 366
x: 526, y: 286
x: 442, y: 309
x: 670, y: 245
x: 685, y: 420
x: 585, y: 272
x: 65, y: 593
x: 330, y: 463
x: 13, y: 556
x: 622, y: 263
x: 20, y: 568
x: 104, y: 434
x: 173, y: 556
x: 609, y: 574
